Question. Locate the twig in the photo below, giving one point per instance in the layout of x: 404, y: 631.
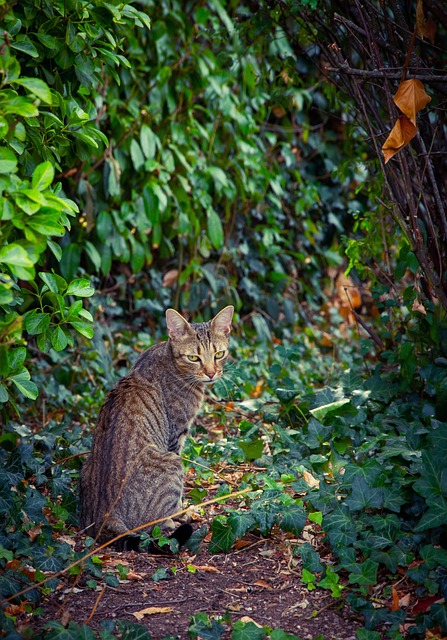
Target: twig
x: 95, y: 606
x: 93, y: 552
x: 368, y: 330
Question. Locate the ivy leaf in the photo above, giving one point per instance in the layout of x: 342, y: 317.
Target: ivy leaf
x: 363, y: 496
x: 241, y: 522
x: 247, y: 631
x: 364, y: 573
x: 436, y: 516
x: 292, y: 518
x: 223, y: 537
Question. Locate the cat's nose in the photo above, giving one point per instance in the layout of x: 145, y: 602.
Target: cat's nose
x: 210, y: 374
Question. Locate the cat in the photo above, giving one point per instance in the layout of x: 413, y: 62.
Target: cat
x: 134, y: 473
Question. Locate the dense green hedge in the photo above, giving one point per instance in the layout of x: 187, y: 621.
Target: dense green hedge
x: 169, y: 148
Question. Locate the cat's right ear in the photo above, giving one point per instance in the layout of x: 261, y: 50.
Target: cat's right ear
x: 177, y: 325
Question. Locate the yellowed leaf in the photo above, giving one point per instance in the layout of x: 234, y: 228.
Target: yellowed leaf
x: 411, y: 97
x: 150, y: 611
x: 401, y: 134
x: 426, y: 27
x: 310, y: 480
x: 246, y: 619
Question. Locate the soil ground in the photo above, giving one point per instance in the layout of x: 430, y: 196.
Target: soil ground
x: 255, y: 582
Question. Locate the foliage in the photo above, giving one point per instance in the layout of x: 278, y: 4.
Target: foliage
x: 187, y: 155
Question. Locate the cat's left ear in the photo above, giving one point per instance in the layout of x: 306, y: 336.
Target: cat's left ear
x: 177, y: 325
x: 222, y: 322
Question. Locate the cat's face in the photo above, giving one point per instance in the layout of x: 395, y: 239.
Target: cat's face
x: 200, y: 350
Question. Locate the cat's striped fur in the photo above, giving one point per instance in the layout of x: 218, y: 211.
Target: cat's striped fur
x: 134, y: 474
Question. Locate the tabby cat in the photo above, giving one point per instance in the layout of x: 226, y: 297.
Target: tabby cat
x: 134, y: 473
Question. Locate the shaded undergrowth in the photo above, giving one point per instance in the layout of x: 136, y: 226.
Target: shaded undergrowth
x: 353, y: 454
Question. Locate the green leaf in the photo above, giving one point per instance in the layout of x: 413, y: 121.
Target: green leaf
x: 215, y: 229
x: 80, y: 287
x: 36, y: 86
x: 148, y: 141
x: 136, y: 155
x: 59, y: 339
x: 24, y: 44
x: 365, y: 573
x: 83, y: 328
x: 241, y: 522
x: 292, y: 518
x: 247, y: 631
x: 223, y: 537
x: 15, y: 255
x: 36, y: 322
x: 43, y: 176
x: 321, y: 412
x: 363, y: 496
x: 310, y: 557
x: 252, y: 449
x: 8, y: 161
x: 24, y: 385
x: 436, y: 516
x: 54, y: 282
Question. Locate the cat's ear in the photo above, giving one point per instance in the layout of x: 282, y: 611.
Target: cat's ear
x: 222, y: 322
x: 177, y: 325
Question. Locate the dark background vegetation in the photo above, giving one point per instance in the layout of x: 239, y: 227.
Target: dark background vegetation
x: 197, y: 154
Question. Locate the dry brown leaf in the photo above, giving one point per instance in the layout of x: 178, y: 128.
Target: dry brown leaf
x: 426, y: 27
x: 34, y: 532
x: 411, y: 97
x: 205, y: 567
x: 310, y: 480
x: 150, y: 611
x: 246, y: 619
x: 170, y: 278
x: 403, y: 131
x: 240, y: 544
x: 262, y: 583
x: 131, y: 575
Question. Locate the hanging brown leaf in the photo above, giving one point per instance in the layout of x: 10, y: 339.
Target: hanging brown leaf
x: 403, y: 131
x: 411, y: 97
x: 426, y: 27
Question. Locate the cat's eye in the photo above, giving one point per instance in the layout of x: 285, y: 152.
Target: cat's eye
x: 219, y: 355
x: 193, y: 358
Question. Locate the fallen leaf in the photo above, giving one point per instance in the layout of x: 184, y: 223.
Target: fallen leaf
x: 34, y: 532
x: 150, y: 611
x: 401, y: 134
x: 240, y: 544
x: 204, y: 567
x: 262, y: 583
x: 131, y: 575
x: 15, y: 609
x: 426, y: 27
x: 411, y: 97
x: 246, y: 619
x: 310, y: 480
